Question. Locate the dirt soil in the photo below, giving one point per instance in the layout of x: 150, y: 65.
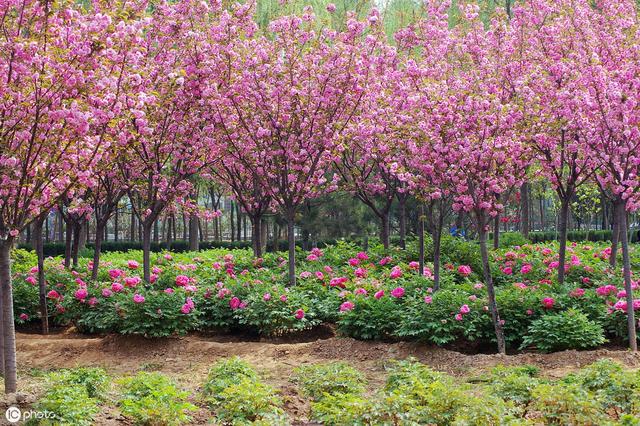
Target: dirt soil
x: 187, y: 360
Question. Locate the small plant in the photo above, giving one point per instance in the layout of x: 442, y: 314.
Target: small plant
x: 226, y: 373
x: 402, y: 373
x: 234, y: 390
x: 95, y: 380
x: 513, y: 383
x: 343, y: 409
x: 331, y: 378
x: 563, y: 404
x: 70, y: 404
x: 153, y: 399
x: 565, y: 330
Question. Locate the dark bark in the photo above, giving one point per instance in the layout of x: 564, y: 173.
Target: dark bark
x: 493, y: 306
x: 421, y: 239
x: 626, y: 268
x: 42, y: 285
x: 292, y: 247
x: 77, y: 226
x: 615, y: 233
x: 97, y: 248
x: 496, y: 232
x: 146, y: 250
x: 256, y: 235
x: 437, y: 243
x: 156, y: 232
x: 384, y: 229
x: 524, y: 209
x: 562, y: 237
x: 402, y: 205
x: 67, y: 244
x: 8, y: 326
x: 194, y: 240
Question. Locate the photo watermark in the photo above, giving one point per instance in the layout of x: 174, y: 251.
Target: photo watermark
x: 15, y: 414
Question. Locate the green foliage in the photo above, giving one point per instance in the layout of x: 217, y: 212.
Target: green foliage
x: 235, y: 392
x: 343, y: 409
x: 565, y: 330
x: 331, y: 378
x: 70, y: 403
x: 153, y: 399
x: 513, y: 384
x: 565, y: 404
x: 94, y: 380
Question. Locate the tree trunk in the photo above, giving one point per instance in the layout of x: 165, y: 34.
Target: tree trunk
x: 67, y: 244
x: 421, y: 239
x: 156, y: 231
x: 437, y: 243
x: 292, y: 247
x: 132, y: 230
x: 384, y: 230
x: 256, y: 235
x: 263, y: 235
x: 115, y: 226
x: 97, y: 248
x: 615, y: 233
x: 524, y: 212
x: 402, y: 204
x: 194, y: 240
x: 76, y: 243
x: 146, y: 249
x: 496, y: 232
x: 562, y: 238
x: 42, y: 285
x: 493, y: 306
x: 626, y: 268
x: 232, y: 223
x: 8, y: 326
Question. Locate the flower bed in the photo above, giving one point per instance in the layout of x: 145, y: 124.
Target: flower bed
x: 368, y: 295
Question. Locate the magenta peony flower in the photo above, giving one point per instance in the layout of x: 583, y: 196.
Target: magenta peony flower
x: 106, y: 292
x: 266, y: 297
x: 24, y: 317
x: 182, y: 280
x: 81, y: 294
x: 362, y: 256
x: 464, y: 309
x: 299, y: 314
x: 354, y: 261
x: 379, y: 294
x: 361, y: 273
x: 117, y: 287
x: 138, y: 298
x: 132, y: 264
x: 396, y: 272
x: 346, y: 306
x: 234, y: 303
x: 331, y: 8
x: 428, y: 299
x: 548, y: 302
x: 397, y: 292
x: 169, y: 290
x: 464, y: 270
x: 458, y: 317
x: 526, y: 268
x: 52, y: 294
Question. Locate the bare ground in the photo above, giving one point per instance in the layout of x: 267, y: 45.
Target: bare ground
x: 187, y: 360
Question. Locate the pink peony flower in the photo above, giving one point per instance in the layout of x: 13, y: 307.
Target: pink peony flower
x: 473, y: 298
x: 396, y: 272
x: 379, y: 294
x: 93, y: 301
x: 354, y: 261
x: 478, y: 286
x: 360, y: 290
x: 346, y: 306
x: 305, y: 274
x: 31, y: 280
x: 464, y: 270
x: 132, y: 264
x: 106, y: 292
x: 81, y: 294
x: 115, y: 273
x: 132, y: 281
x: 529, y: 312
x: 182, y: 280
x: 361, y: 273
x: 185, y: 309
x: 169, y: 290
x: 526, y: 268
x: 384, y: 260
x: 319, y: 275
x: 397, y: 292
x: 52, y: 294
x: 458, y: 317
x: 24, y: 317
x: 362, y: 256
x: 331, y: 8
x: 153, y: 278
x: 428, y: 299
x: 299, y: 314
x: 464, y: 309
x: 138, y: 298
x: 548, y: 302
x: 117, y: 287
x: 234, y: 303
x: 578, y: 292
x: 312, y: 257
x: 283, y: 298
x: 507, y: 270
x: 414, y: 265
x: 266, y: 297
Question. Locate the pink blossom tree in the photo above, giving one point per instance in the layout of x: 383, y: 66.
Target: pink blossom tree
x: 612, y: 102
x: 546, y: 71
x: 291, y: 96
x: 48, y: 57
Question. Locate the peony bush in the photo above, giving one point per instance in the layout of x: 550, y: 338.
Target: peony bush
x: 376, y: 294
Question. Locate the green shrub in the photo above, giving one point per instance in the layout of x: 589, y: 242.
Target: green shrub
x: 613, y: 387
x: 344, y: 409
x: 561, y: 404
x: 153, y: 399
x: 95, y: 380
x: 331, y: 378
x: 226, y: 373
x: 247, y: 401
x: 565, y: 330
x: 70, y: 403
x: 513, y: 384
